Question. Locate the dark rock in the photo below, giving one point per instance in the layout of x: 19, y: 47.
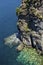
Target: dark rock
x: 30, y: 24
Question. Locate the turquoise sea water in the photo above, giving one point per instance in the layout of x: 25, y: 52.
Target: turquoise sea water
x: 8, y: 20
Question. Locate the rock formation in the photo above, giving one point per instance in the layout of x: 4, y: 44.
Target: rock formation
x: 30, y: 23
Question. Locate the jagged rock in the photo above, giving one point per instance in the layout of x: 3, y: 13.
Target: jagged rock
x: 24, y: 1
x: 22, y: 20
x: 41, y: 31
x: 12, y: 40
x: 35, y: 3
x: 27, y: 41
x: 42, y: 42
x: 30, y: 25
x: 23, y: 6
x: 24, y: 12
x: 34, y: 34
x: 20, y: 47
x: 32, y: 17
x: 21, y: 11
x: 23, y: 26
x: 36, y: 12
x: 38, y: 43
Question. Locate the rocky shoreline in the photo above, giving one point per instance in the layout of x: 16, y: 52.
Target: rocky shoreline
x: 30, y: 26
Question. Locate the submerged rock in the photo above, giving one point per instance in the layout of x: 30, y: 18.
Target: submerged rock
x: 12, y: 40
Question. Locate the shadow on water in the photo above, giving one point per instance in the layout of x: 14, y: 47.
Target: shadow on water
x: 8, y: 56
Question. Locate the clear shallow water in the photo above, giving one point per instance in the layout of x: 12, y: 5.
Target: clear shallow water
x: 8, y: 21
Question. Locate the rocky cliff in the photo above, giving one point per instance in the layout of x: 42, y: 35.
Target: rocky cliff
x: 29, y: 38
x: 30, y: 23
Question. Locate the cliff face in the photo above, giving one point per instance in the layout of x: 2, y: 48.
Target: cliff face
x: 30, y: 33
x: 30, y: 23
x: 30, y: 26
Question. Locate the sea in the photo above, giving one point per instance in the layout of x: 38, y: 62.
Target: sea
x: 8, y: 20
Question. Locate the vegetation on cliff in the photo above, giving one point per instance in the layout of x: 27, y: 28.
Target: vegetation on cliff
x: 29, y: 57
x: 30, y: 33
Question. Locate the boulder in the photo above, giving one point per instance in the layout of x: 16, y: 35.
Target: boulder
x: 20, y: 47
x: 12, y: 40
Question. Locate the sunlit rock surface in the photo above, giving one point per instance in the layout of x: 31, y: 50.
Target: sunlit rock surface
x: 34, y: 20
x: 30, y: 33
x: 30, y: 25
x: 12, y: 40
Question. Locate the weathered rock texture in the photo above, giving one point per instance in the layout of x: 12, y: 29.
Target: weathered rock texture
x: 30, y: 23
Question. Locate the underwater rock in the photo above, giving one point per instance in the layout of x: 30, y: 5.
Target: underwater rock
x: 12, y: 40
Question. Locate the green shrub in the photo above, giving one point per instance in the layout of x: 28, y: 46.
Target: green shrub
x: 29, y: 57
